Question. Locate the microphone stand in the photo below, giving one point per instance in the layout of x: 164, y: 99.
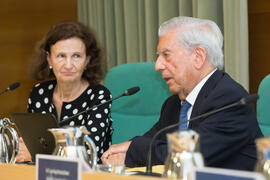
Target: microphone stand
x: 128, y: 92
x: 6, y: 90
x: 90, y: 109
x: 242, y: 101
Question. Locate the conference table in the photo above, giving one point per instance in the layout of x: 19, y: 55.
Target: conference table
x: 28, y: 172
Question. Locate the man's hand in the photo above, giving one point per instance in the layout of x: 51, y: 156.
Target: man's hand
x: 115, y: 159
x: 116, y: 150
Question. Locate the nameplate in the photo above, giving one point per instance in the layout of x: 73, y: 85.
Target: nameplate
x: 207, y: 173
x: 49, y: 167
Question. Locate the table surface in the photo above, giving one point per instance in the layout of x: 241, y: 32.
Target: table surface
x: 28, y: 172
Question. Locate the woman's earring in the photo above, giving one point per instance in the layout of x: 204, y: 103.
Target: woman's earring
x: 50, y: 67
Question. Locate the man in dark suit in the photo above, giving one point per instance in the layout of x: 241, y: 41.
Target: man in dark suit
x: 190, y: 59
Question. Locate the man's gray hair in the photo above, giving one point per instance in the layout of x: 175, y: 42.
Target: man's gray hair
x: 194, y: 32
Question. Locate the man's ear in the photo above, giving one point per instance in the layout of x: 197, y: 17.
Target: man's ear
x: 200, y: 57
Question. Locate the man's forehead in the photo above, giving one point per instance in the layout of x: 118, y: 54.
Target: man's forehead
x: 166, y: 42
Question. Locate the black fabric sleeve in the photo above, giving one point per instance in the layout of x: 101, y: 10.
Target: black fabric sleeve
x: 139, y: 147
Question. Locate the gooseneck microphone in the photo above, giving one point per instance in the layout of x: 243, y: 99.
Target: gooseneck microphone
x: 128, y: 92
x: 11, y: 87
x: 242, y: 101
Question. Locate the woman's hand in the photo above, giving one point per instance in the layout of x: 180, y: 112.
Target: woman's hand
x: 23, y: 154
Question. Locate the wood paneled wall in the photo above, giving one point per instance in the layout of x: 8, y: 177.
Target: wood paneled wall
x: 259, y: 39
x: 22, y: 25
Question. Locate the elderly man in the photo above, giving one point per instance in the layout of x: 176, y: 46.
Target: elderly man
x: 190, y: 59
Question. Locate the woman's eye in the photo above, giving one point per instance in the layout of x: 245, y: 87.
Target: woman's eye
x: 60, y: 55
x: 76, y: 56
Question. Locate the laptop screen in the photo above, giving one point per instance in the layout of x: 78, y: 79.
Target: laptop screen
x: 33, y: 127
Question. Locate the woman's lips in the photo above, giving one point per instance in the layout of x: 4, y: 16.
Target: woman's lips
x: 68, y: 73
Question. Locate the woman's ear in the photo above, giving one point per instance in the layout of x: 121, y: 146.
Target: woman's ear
x: 88, y: 58
x: 48, y: 59
x: 200, y: 57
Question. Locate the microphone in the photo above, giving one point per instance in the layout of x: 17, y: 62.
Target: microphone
x: 242, y: 101
x: 11, y: 87
x: 128, y: 92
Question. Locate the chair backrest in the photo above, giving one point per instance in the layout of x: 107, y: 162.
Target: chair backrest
x: 263, y: 105
x: 134, y: 115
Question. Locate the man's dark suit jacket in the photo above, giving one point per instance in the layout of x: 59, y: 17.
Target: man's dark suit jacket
x: 226, y: 138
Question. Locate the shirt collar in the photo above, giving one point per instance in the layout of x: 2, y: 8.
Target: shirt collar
x: 192, y: 96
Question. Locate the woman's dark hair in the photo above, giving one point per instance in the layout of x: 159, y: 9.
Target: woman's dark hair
x: 39, y: 67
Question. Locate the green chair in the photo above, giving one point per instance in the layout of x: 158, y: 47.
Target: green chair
x: 263, y: 106
x: 134, y: 115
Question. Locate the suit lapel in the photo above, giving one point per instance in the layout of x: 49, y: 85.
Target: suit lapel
x: 203, y: 94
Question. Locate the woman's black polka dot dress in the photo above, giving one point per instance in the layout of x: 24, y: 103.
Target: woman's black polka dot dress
x: 98, y: 122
